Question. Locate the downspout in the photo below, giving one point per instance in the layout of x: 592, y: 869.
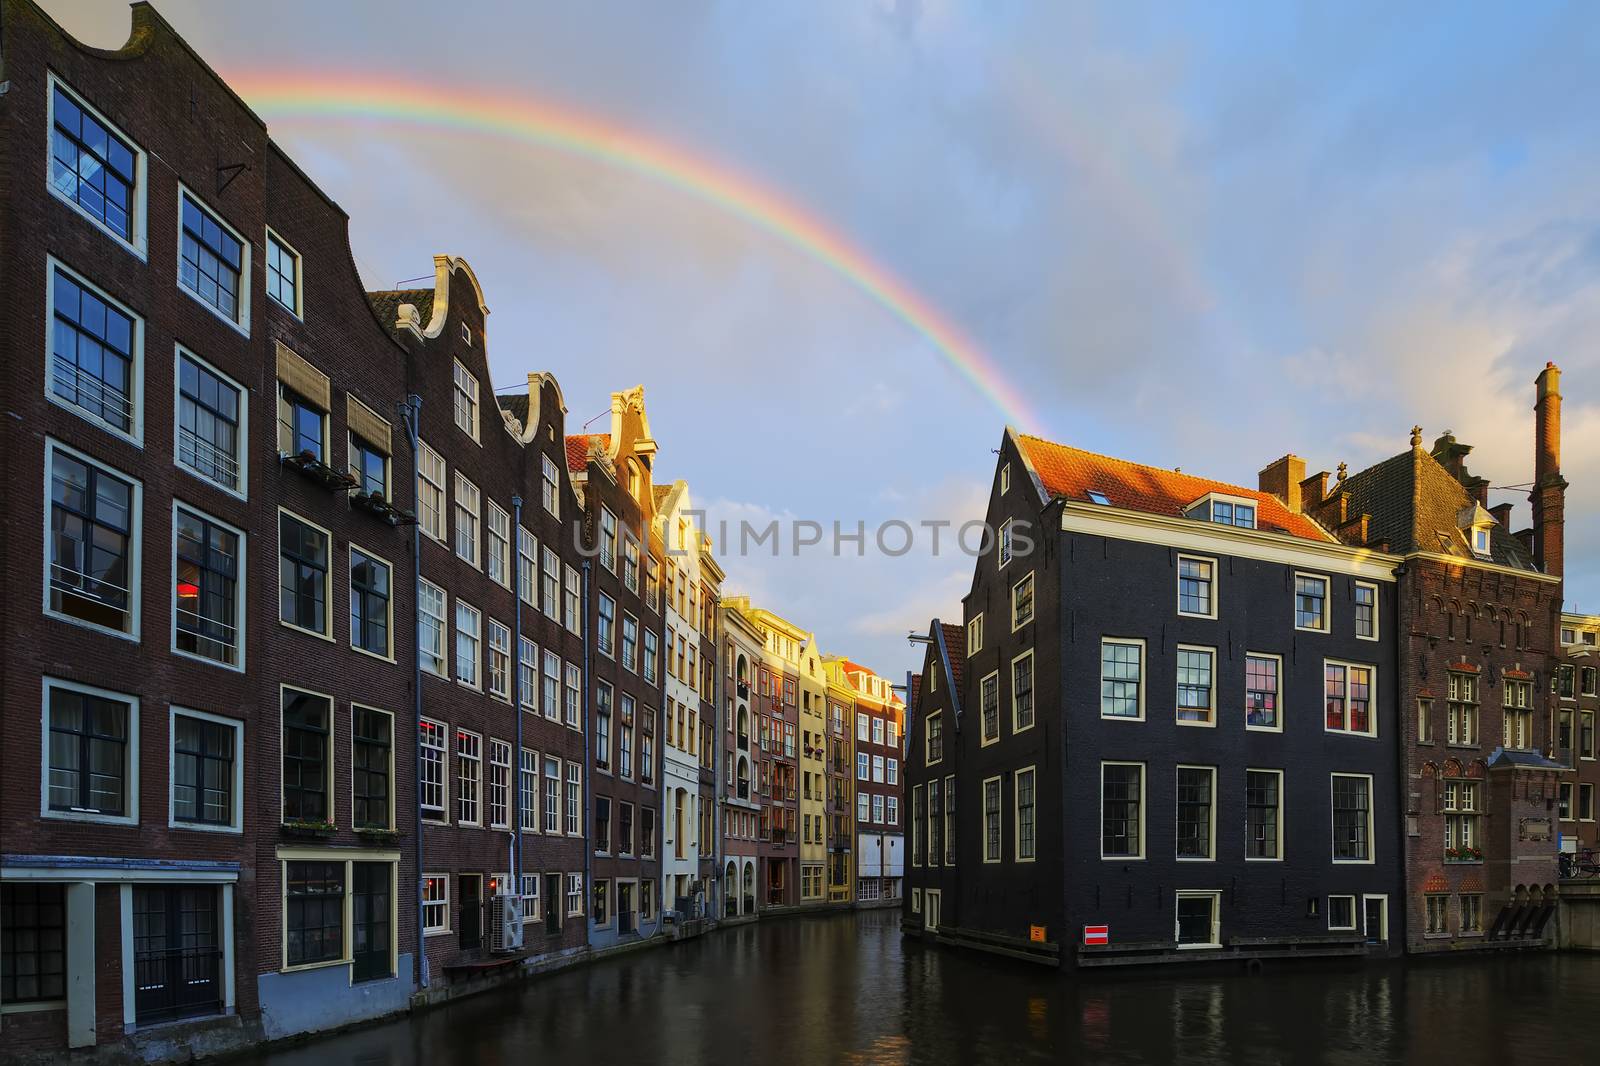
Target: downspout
x: 718, y: 691
x: 583, y: 820
x: 411, y: 412
x: 516, y: 689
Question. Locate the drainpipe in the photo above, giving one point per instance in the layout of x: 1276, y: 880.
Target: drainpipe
x: 719, y: 691
x: 411, y: 413
x: 583, y: 704
x: 516, y: 691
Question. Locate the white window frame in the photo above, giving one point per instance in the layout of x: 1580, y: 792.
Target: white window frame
x: 241, y: 455
x: 1033, y: 602
x: 462, y: 780
x: 1003, y: 552
x: 331, y: 583
x: 1372, y: 843
x: 394, y: 742
x: 427, y: 460
x: 572, y: 601
x: 1211, y: 720
x: 464, y: 387
x: 1353, y: 921
x: 443, y: 748
x: 131, y: 753
x: 1211, y: 582
x: 246, y: 255
x: 135, y: 431
x: 1033, y: 692
x: 135, y: 543
x: 1279, y: 821
x: 138, y: 240
x: 1132, y: 642
x: 1000, y: 814
x: 504, y: 692
x: 350, y: 551
x: 1280, y: 711
x: 1144, y: 814
x: 1211, y: 829
x: 1372, y: 698
x: 1016, y: 814
x: 509, y: 804
x: 442, y: 903
x: 975, y: 635
x: 927, y: 739
x: 240, y: 592
x: 497, y: 543
x: 466, y: 489
x: 550, y: 486
x: 328, y: 768
x: 236, y: 823
x: 274, y: 237
x: 438, y: 666
x: 475, y: 682
x: 1377, y: 626
x: 1216, y: 917
x: 1327, y: 602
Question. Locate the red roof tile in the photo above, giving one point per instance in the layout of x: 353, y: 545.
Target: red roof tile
x: 579, y: 446
x: 955, y: 643
x: 1073, y: 473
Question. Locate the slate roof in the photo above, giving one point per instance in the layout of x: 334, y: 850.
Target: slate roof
x: 1524, y: 758
x: 1415, y: 504
x: 578, y: 446
x: 515, y: 405
x: 387, y: 304
x: 1072, y: 473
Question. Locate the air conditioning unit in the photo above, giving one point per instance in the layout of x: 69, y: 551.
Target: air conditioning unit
x: 505, y: 927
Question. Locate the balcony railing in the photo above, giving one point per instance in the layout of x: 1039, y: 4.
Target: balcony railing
x: 206, y: 636
x: 199, y: 454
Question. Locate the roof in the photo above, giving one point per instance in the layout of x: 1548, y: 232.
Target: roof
x: 1415, y: 504
x: 515, y: 405
x: 659, y: 493
x: 955, y: 642
x: 387, y: 303
x: 1533, y: 759
x: 1072, y: 473
x: 579, y: 445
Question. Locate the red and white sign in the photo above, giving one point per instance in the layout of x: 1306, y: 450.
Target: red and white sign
x: 1096, y: 934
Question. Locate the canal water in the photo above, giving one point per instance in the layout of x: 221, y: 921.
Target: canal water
x: 847, y: 989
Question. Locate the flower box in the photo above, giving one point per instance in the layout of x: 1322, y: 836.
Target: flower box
x: 317, y: 830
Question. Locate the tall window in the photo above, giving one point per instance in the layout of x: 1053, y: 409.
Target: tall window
x: 1261, y: 692
x: 283, y: 273
x: 206, y: 608
x: 1463, y: 693
x: 1025, y: 814
x: 1022, y: 693
x: 1196, y: 801
x: 1121, y: 679
x: 574, y: 800
x: 1352, y: 818
x: 608, y: 539
x: 1022, y: 602
x: 369, y: 603
x: 552, y: 583
x: 307, y: 736
x: 991, y: 820
x: 528, y: 567
x: 1121, y: 810
x: 372, y: 763
x: 313, y: 912
x: 1263, y: 800
x: 469, y: 771
x: 90, y: 754
x: 573, y: 599
x: 430, y: 786
x: 210, y: 424
x: 93, y: 166
x: 630, y: 642
x: 650, y: 653
x: 1349, y: 698
x: 606, y: 630
x: 33, y: 942
x: 625, y: 737
x: 528, y: 790
x: 431, y: 629
x: 465, y: 400
x: 430, y: 491
x: 1195, y: 579
x: 1366, y: 610
x: 602, y: 725
x: 499, y: 660
x: 204, y: 751
x: 630, y: 564
x: 497, y: 554
x: 499, y: 783
x: 468, y: 630
x: 1518, y: 703
x: 1196, y: 685
x: 436, y: 903
x: 1438, y: 915
x: 92, y: 514
x: 975, y: 635
x: 302, y: 426
x: 93, y: 348
x: 551, y: 688
x: 1311, y: 603
x: 552, y: 795
x: 211, y: 261
x: 302, y: 574
x: 468, y: 502
x: 1004, y: 549
x: 1461, y: 813
x: 935, y: 739
x: 550, y: 487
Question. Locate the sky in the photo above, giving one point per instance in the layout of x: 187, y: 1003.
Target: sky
x: 1197, y: 236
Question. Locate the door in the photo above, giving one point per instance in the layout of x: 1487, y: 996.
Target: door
x: 1375, y: 914
x: 371, y: 939
x: 471, y: 911
x: 624, y: 907
x: 552, y: 903
x: 177, y: 956
x: 930, y: 909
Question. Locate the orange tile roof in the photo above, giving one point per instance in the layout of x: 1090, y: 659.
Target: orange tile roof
x: 955, y: 642
x: 578, y: 447
x: 1073, y: 473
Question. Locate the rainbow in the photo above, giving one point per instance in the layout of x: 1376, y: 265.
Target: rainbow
x: 297, y: 96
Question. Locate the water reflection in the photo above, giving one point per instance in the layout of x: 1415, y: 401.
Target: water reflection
x: 847, y: 989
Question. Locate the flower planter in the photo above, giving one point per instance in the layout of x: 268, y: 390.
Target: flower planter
x: 309, y: 830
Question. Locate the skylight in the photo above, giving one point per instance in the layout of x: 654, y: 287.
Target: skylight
x: 1098, y: 497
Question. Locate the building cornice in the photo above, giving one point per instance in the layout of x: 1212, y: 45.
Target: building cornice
x: 1479, y: 564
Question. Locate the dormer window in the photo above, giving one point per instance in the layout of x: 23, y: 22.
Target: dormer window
x: 1224, y: 510
x: 1475, y: 523
x: 1480, y: 541
x: 1098, y: 497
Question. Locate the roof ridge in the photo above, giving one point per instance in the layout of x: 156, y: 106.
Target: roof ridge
x: 1169, y: 471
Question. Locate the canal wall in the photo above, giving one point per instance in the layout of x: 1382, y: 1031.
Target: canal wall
x: 1578, y: 916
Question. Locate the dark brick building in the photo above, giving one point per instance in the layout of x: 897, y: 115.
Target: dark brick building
x: 1176, y: 720
x: 1578, y: 703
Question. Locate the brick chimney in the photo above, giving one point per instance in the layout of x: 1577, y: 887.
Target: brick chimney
x: 1502, y: 514
x: 1549, y: 487
x: 1282, y: 478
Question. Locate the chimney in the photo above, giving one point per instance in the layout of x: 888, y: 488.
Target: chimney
x: 1314, y: 489
x: 1282, y: 478
x: 1549, y: 487
x: 1502, y: 515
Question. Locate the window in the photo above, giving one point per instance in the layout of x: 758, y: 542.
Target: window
x: 652, y: 583
x: 1564, y: 679
x: 1366, y: 611
x: 1585, y: 803
x: 574, y: 800
x: 1569, y: 636
x: 313, y: 912
x: 863, y: 766
x: 499, y: 660
x: 992, y: 820
x: 918, y: 813
x: 650, y: 651
x: 1022, y: 692
x: 1005, y: 478
x: 468, y: 631
x: 372, y: 763
x: 1586, y: 734
x: 1005, y: 546
x: 630, y: 642
x: 529, y: 897
x: 1461, y: 813
x: 527, y: 567
x: 430, y: 491
x: 1196, y: 922
x: 863, y: 727
x: 552, y: 583
x: 1261, y: 673
x: 303, y: 575
x: 1196, y: 584
x: 891, y: 810
x: 33, y: 942
x: 369, y: 466
x: 625, y: 737
x: 1352, y: 818
x: 574, y: 895
x: 210, y: 424
x: 877, y: 769
x: 283, y: 274
x: 528, y: 790
x: 1196, y: 812
x: 1022, y: 603
x: 430, y: 629
x: 1424, y: 721
x: 370, y: 603
x: 430, y: 787
x: 1121, y: 810
x: 1349, y: 699
x: 630, y: 564
x: 891, y: 773
x: 1121, y: 679
x: 550, y: 487
x: 1437, y: 915
x: 934, y: 746
x: 625, y: 829
x: 206, y: 770
x: 1463, y: 693
x: 877, y: 731
x: 469, y: 769
x: 93, y: 543
x: 468, y: 501
x: 552, y: 795
x: 975, y: 635
x: 95, y: 348
x: 465, y: 400
x: 1233, y: 513
x: 602, y: 725
x: 863, y: 807
x: 1586, y: 680
x: 1024, y: 815
x: 436, y: 904
x: 1311, y: 603
x: 497, y: 555
x: 574, y: 601
x: 207, y: 609
x: 1263, y: 798
x: 90, y: 753
x: 1518, y: 703
x: 307, y: 739
x: 213, y: 263
x: 606, y: 629
x: 96, y: 169
x: 935, y: 823
x: 1342, y: 913
x: 499, y: 784
x: 1471, y: 913
x: 552, y: 690
x: 1196, y: 686
x: 1564, y: 801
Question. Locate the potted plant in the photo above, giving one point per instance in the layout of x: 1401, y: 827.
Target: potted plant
x: 302, y: 827
x: 377, y: 836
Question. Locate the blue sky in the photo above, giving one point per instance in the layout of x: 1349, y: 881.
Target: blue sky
x: 1201, y: 238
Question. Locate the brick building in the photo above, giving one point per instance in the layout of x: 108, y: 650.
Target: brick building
x: 1578, y: 703
x: 876, y: 729
x: 839, y: 782
x: 743, y: 814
